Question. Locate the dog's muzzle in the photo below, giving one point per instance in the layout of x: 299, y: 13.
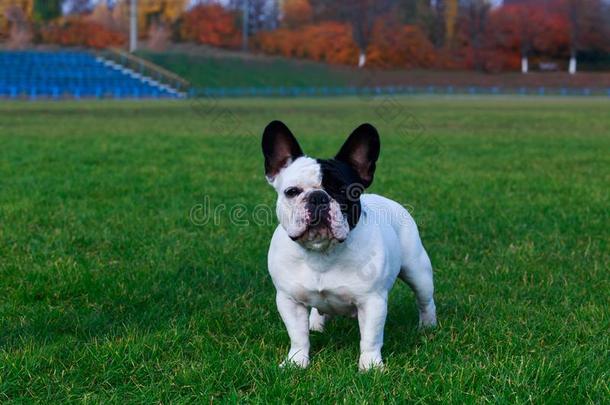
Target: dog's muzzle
x: 318, y: 207
x: 319, y: 222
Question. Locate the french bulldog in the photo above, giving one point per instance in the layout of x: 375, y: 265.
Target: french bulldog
x: 336, y: 250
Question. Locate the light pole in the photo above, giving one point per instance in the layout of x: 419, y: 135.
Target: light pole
x: 133, y: 29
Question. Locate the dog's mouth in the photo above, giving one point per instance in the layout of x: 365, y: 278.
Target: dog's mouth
x: 317, y: 233
x: 319, y: 227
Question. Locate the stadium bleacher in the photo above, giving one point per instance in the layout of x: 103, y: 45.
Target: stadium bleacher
x: 72, y: 74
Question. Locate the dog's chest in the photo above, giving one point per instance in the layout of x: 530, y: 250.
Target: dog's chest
x: 326, y: 292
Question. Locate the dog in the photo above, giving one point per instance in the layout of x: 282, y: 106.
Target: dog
x: 336, y: 250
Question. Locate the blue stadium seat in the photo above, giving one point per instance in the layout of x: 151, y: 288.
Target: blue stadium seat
x: 39, y: 74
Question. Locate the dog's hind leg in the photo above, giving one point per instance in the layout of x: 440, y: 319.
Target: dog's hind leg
x: 316, y: 320
x: 416, y: 271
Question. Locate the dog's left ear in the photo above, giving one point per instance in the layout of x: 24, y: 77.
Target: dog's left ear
x: 280, y: 148
x: 361, y: 151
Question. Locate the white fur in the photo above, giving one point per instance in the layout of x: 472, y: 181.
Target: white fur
x: 349, y: 278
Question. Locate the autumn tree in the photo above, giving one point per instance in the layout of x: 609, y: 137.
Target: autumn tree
x: 12, y: 12
x: 211, y: 24
x: 329, y: 42
x: 296, y: 13
x: 411, y: 12
x: 588, y: 29
x: 20, y: 35
x: 527, y: 29
x: 80, y: 32
x: 437, y: 27
x: 361, y: 15
x: 398, y: 45
x: 451, y: 14
x: 475, y: 15
x: 103, y: 16
x: 422, y: 13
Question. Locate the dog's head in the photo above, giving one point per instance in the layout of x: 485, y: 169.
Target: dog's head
x: 319, y: 199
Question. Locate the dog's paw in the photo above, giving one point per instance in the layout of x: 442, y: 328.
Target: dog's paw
x: 316, y: 321
x: 427, y: 317
x: 427, y: 324
x: 297, y: 360
x: 316, y: 326
x: 370, y: 361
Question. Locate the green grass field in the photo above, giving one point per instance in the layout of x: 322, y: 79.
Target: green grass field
x: 227, y: 71
x: 109, y: 292
x: 214, y: 68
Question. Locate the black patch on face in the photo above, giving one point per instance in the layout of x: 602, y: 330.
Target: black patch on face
x: 344, y: 185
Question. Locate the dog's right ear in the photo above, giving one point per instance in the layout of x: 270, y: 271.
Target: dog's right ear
x: 280, y: 148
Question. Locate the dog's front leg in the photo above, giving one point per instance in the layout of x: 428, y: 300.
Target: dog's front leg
x: 371, y: 319
x: 295, y: 317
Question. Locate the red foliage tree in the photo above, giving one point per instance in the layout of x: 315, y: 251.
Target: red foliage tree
x: 78, y: 32
x: 474, y: 27
x: 297, y: 13
x: 325, y: 42
x: 589, y: 28
x: 361, y: 15
x: 211, y: 24
x: 394, y: 45
x: 524, y: 30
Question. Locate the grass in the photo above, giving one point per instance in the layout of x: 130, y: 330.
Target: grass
x: 111, y: 294
x: 206, y: 71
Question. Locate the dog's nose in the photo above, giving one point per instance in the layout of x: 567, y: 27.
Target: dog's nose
x: 318, y: 197
x: 318, y: 203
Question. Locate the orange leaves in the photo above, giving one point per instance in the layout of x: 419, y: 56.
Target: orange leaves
x: 529, y: 28
x: 297, y: 13
x: 329, y: 42
x: 477, y: 36
x: 211, y: 24
x: 81, y: 33
x: 400, y: 46
x: 392, y: 45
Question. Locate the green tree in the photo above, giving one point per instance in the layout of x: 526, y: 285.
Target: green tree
x: 46, y: 10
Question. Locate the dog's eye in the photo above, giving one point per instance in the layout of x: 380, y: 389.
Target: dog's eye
x: 291, y: 192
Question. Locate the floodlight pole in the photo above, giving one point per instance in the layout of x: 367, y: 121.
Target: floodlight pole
x: 133, y: 29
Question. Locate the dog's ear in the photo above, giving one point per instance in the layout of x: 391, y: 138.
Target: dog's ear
x: 280, y: 148
x: 361, y: 151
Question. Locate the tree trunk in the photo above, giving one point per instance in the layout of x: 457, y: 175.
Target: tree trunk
x: 572, y: 68
x: 362, y: 59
